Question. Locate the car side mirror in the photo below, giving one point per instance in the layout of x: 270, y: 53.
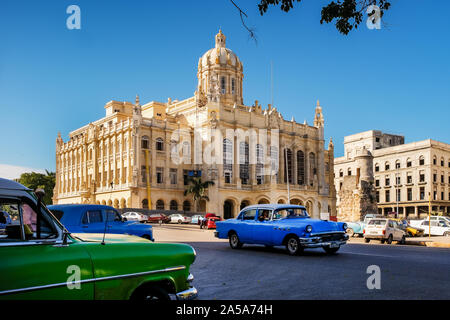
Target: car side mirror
x: 40, y: 193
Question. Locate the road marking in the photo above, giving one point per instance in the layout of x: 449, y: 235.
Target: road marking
x: 368, y: 254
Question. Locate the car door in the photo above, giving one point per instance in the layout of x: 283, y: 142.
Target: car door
x: 114, y: 222
x: 92, y: 221
x: 35, y: 264
x: 262, y: 229
x: 244, y: 227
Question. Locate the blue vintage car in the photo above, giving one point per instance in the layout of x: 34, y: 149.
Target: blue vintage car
x: 91, y: 218
x: 357, y: 227
x: 282, y: 225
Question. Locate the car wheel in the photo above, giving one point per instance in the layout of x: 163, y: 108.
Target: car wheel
x: 389, y: 239
x: 446, y: 234
x: 366, y: 240
x: 179, y: 221
x: 235, y: 243
x: 150, y: 293
x: 331, y: 250
x: 293, y: 246
x: 382, y: 241
x: 146, y: 236
x: 403, y: 240
x: 350, y: 232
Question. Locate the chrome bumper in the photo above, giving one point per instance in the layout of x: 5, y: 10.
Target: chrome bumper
x: 190, y: 293
x: 316, y: 242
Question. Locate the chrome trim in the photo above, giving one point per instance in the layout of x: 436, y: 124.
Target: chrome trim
x: 322, y: 244
x: 188, y: 294
x: 123, y: 276
x: 326, y: 232
x: 190, y: 277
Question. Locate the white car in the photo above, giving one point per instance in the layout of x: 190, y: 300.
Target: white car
x: 385, y: 230
x: 439, y: 226
x: 135, y: 216
x: 179, y: 218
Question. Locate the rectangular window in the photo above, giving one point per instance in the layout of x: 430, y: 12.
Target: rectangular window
x: 377, y: 168
x: 409, y: 179
x: 388, y: 196
x: 398, y: 192
x: 173, y: 176
x: 223, y: 85
x: 442, y: 196
x: 159, y: 175
x: 435, y: 195
x: 422, y: 193
x: 409, y: 194
x: 387, y: 181
x: 233, y: 86
x: 434, y: 177
x: 387, y: 166
x: 143, y: 174
x: 185, y: 177
x: 227, y: 176
x: 422, y: 177
x: 421, y: 161
x: 408, y: 163
x: 377, y: 183
x: 397, y: 165
x: 442, y: 178
x: 399, y: 180
x: 94, y: 216
x: 378, y: 196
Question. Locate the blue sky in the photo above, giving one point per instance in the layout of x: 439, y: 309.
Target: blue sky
x: 52, y: 79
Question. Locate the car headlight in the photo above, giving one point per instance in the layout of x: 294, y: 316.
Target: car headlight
x: 345, y: 226
x: 308, y: 228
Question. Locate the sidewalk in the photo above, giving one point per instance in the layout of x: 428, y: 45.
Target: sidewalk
x: 437, y: 242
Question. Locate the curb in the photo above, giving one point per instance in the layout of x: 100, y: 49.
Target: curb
x: 431, y: 244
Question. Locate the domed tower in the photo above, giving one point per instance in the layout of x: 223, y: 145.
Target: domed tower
x: 220, y: 74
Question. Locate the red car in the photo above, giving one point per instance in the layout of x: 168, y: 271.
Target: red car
x: 209, y: 222
x: 158, y: 217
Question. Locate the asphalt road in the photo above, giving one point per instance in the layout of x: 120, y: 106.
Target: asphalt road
x: 257, y: 272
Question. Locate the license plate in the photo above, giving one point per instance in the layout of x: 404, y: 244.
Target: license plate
x: 334, y: 245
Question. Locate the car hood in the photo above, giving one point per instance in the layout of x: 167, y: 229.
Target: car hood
x: 109, y: 237
x: 317, y: 225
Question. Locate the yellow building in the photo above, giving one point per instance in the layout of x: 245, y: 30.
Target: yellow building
x: 141, y: 152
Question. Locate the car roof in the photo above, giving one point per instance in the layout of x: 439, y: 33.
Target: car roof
x: 11, y: 185
x: 73, y: 212
x: 274, y: 206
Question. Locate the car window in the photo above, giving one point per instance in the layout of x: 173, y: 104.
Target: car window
x: 112, y: 215
x: 92, y: 216
x: 249, y: 214
x: 58, y: 214
x: 290, y: 213
x: 264, y: 214
x: 10, y: 226
x: 377, y: 222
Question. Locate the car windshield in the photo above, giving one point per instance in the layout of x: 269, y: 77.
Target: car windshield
x: 377, y: 222
x: 290, y: 213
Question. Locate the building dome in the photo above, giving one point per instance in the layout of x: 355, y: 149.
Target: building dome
x: 220, y: 54
x: 220, y: 73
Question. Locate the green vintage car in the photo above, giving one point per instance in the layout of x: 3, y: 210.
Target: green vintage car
x: 41, y: 260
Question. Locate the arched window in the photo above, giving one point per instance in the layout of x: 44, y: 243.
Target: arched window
x: 259, y: 164
x: 243, y: 162
x: 186, y: 205
x: 274, y: 161
x: 173, y: 205
x: 227, y: 160
x: 223, y: 85
x: 233, y: 86
x: 288, y: 160
x: 387, y: 166
x: 341, y: 173
x: 145, y: 142
x: 300, y: 167
x: 408, y: 162
x: 421, y: 160
x: 434, y: 160
x: 186, y: 149
x: 159, y: 144
x: 349, y: 171
x: 312, y: 167
x: 397, y: 164
x: 145, y: 204
x: 160, y: 205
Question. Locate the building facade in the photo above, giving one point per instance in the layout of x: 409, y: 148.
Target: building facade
x: 406, y: 177
x: 140, y: 156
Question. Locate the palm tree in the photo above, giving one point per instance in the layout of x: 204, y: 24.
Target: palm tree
x: 198, y: 189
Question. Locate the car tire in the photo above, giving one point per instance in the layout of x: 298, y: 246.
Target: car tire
x: 179, y: 221
x: 403, y: 240
x: 150, y: 293
x: 382, y: 241
x: 329, y: 250
x: 350, y: 232
x: 366, y: 240
x: 389, y: 239
x: 234, y: 241
x: 293, y: 246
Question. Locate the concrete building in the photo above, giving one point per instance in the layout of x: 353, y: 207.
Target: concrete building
x: 140, y: 156
x: 404, y: 175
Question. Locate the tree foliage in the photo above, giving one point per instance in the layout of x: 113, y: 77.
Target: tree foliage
x: 347, y: 14
x: 198, y: 188
x: 34, y: 180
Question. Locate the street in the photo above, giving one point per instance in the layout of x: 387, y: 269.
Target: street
x: 257, y: 272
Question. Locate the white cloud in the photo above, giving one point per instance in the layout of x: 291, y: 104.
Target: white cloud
x: 13, y: 172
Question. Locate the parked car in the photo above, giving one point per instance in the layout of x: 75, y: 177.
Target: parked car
x: 158, y: 217
x: 210, y: 222
x: 93, y: 218
x: 438, y: 227
x: 197, y: 219
x: 357, y: 228
x: 44, y: 261
x: 135, y: 216
x: 179, y: 218
x: 385, y: 230
x: 282, y: 225
x: 205, y: 219
x: 409, y: 229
